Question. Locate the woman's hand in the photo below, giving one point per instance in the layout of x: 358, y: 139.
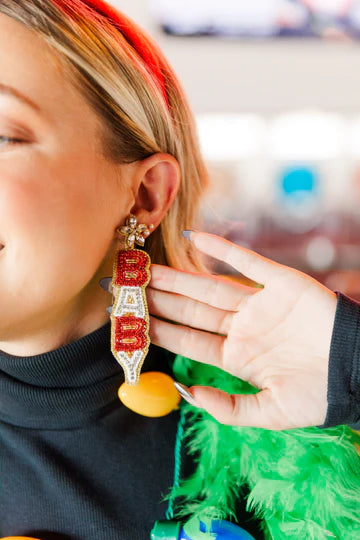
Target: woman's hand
x: 277, y: 337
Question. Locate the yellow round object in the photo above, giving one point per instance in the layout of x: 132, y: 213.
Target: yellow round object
x: 154, y: 396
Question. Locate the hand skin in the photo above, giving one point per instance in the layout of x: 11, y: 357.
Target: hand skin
x: 277, y: 337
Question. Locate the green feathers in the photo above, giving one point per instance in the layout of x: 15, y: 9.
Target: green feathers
x: 304, y: 483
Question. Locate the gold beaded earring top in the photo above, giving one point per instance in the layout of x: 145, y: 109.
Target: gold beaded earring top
x: 134, y: 233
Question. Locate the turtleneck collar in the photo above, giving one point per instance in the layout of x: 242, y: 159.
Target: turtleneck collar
x: 66, y: 387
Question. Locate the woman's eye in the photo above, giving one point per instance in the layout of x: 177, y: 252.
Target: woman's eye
x: 9, y: 140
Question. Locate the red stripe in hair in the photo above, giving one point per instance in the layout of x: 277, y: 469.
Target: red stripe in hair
x: 129, y: 31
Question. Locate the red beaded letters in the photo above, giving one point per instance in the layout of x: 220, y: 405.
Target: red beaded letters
x: 130, y: 334
x: 132, y: 268
x: 130, y: 319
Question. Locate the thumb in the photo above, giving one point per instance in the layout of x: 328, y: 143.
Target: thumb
x: 236, y: 410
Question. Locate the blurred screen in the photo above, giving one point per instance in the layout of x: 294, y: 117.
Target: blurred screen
x: 259, y: 18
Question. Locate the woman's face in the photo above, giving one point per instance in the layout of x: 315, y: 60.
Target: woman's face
x: 60, y: 201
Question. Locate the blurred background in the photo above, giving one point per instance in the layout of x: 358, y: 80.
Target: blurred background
x: 275, y: 87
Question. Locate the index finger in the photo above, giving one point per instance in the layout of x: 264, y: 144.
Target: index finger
x: 215, y: 291
x: 249, y: 263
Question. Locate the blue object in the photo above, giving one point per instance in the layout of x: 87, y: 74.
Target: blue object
x: 228, y: 531
x: 220, y: 529
x: 301, y: 178
x: 299, y: 183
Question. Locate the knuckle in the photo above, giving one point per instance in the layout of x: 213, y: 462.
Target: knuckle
x: 225, y: 323
x: 186, y: 339
x: 189, y: 311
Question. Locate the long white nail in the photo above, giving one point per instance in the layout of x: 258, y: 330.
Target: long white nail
x: 184, y: 392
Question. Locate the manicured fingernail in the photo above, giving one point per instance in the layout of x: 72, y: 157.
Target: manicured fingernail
x: 184, y: 392
x: 109, y: 309
x: 105, y: 283
x: 187, y: 233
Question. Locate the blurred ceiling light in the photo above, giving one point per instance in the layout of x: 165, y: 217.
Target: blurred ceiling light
x: 307, y: 135
x: 230, y: 137
x: 320, y: 253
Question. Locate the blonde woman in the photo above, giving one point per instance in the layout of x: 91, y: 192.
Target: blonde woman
x: 94, y: 127
x: 86, y: 138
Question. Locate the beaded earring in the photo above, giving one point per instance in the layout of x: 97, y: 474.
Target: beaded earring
x: 129, y: 316
x: 152, y: 393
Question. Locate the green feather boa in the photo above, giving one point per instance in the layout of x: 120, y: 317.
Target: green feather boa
x: 304, y: 483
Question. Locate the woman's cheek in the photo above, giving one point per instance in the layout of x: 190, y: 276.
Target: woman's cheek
x: 34, y: 223
x: 55, y: 242
x: 22, y: 206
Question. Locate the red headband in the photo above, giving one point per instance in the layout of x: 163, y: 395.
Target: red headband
x: 130, y: 31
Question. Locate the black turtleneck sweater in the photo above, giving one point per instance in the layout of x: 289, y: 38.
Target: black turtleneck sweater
x: 75, y: 463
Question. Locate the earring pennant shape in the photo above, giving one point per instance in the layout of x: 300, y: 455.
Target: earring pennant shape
x: 130, y: 317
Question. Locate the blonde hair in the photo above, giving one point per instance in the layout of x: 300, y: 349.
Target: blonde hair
x: 136, y: 119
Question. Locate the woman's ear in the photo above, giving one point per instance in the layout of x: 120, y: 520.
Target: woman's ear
x: 157, y: 181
